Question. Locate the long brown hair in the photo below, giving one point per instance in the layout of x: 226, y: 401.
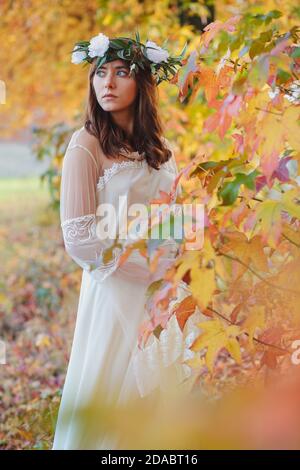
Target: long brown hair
x: 147, y: 126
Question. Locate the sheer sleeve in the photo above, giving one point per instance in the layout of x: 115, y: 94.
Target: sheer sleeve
x: 79, y: 179
x: 80, y: 173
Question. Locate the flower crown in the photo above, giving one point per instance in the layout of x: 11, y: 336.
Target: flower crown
x: 162, y: 65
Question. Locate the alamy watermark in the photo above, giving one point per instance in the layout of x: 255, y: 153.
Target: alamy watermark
x: 153, y: 221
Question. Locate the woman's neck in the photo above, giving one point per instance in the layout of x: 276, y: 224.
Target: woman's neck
x: 123, y: 119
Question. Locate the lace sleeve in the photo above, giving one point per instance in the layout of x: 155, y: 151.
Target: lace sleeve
x: 80, y: 173
x: 171, y: 165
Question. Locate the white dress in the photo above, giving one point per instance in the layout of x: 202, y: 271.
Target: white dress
x: 106, y: 366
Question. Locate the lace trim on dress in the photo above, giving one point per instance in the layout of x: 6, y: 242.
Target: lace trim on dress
x: 119, y: 166
x: 116, y: 168
x: 81, y: 231
x: 154, y: 361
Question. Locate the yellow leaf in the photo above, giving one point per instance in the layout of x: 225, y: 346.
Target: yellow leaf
x: 249, y: 251
x: 233, y: 347
x: 291, y: 126
x: 272, y: 130
x: 291, y: 202
x: 269, y: 215
x: 186, y: 262
x: 256, y: 319
x: 215, y: 337
x: 202, y: 285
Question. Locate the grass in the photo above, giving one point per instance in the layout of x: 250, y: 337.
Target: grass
x: 25, y: 198
x: 25, y: 187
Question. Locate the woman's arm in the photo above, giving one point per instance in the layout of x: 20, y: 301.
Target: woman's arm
x: 80, y: 173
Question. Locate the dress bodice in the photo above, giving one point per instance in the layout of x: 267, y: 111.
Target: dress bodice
x: 136, y: 179
x: 121, y: 186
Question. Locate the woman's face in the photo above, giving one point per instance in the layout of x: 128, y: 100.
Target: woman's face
x: 113, y: 78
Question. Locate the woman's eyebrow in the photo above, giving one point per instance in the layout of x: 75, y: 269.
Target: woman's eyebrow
x: 117, y: 67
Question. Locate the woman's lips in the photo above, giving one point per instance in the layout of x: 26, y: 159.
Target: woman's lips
x: 109, y: 97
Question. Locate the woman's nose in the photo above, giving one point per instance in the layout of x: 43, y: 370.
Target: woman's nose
x: 109, y: 81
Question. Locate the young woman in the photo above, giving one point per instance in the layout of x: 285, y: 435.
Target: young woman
x: 118, y: 158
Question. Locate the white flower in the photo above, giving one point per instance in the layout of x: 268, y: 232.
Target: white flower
x: 273, y: 94
x: 98, y: 45
x: 157, y: 54
x: 78, y: 56
x: 293, y: 95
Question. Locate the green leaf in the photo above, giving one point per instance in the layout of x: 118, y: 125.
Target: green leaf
x: 137, y: 37
x: 257, y: 47
x: 274, y: 14
x: 283, y: 76
x: 183, y: 51
x: 230, y: 190
x: 120, y: 54
x: 100, y: 61
x: 117, y: 43
x: 296, y: 53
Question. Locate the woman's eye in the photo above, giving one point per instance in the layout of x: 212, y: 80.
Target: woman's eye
x: 119, y: 71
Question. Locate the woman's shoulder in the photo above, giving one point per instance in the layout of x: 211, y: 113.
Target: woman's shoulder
x: 170, y: 146
x: 166, y: 142
x: 81, y: 138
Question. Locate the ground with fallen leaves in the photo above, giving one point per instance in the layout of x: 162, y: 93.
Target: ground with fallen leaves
x: 38, y: 299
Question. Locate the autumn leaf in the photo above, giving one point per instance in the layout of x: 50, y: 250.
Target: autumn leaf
x: 185, y: 263
x: 215, y: 337
x: 291, y: 202
x: 213, y: 28
x: 191, y: 71
x: 184, y: 310
x: 281, y: 173
x: 250, y: 252
x: 202, y: 284
x: 230, y: 190
x: 291, y: 126
x: 209, y: 81
x: 268, y: 214
x: 270, y: 356
x: 255, y: 320
x: 272, y: 132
